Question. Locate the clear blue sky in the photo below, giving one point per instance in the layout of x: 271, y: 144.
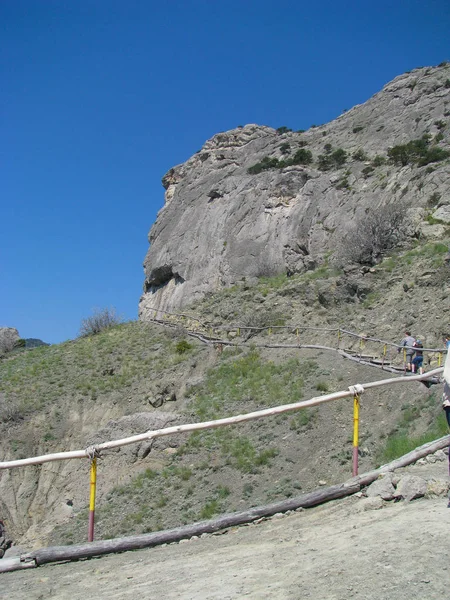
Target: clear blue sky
x: 99, y: 98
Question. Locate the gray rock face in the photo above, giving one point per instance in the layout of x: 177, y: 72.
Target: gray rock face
x: 221, y: 224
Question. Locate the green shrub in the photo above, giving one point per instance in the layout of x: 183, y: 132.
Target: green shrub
x: 182, y: 346
x: 343, y: 184
x: 243, y: 455
x: 333, y: 159
x: 322, y: 386
x: 434, y: 154
x: 302, y: 419
x: 417, y: 152
x: 210, y: 509
x: 367, y: 171
x: 301, y: 157
x: 360, y: 155
x: 285, y: 148
x: 223, y: 491
x: 358, y: 128
x: 378, y: 160
x: 264, y: 165
x: 283, y: 129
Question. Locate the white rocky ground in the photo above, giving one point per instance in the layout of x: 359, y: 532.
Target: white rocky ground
x: 354, y: 548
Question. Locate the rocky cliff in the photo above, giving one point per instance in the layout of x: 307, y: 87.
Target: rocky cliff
x: 257, y: 201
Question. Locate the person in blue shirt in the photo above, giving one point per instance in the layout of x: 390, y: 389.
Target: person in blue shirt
x: 417, y: 361
x: 446, y: 394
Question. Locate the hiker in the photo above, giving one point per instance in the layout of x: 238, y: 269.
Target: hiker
x: 446, y: 394
x: 408, y: 343
x: 417, y: 361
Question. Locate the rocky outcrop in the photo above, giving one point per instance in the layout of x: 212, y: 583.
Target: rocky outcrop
x: 8, y: 338
x: 220, y: 223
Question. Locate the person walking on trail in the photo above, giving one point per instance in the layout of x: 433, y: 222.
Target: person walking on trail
x: 407, y: 343
x: 417, y: 361
x: 446, y: 394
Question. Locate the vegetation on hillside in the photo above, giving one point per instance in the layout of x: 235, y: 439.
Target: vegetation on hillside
x: 420, y: 152
x: 229, y: 469
x: 117, y: 359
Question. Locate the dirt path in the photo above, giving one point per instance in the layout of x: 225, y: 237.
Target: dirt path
x: 333, y: 552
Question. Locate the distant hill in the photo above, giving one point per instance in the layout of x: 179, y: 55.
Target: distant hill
x: 34, y: 343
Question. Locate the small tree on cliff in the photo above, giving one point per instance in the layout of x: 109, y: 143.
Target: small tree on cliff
x: 379, y: 230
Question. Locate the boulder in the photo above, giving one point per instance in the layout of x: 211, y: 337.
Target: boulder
x: 410, y: 487
x: 382, y: 487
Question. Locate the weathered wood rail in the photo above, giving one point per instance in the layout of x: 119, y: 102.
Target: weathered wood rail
x: 93, y: 451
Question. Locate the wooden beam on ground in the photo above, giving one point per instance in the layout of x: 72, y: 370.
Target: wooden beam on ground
x: 405, y: 460
x: 16, y: 563
x: 78, y: 551
x: 309, y: 500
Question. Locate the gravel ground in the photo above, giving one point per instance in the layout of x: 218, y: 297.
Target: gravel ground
x: 333, y: 552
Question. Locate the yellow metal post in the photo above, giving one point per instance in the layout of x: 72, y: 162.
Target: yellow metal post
x: 355, y: 433
x: 92, y: 499
x: 439, y: 359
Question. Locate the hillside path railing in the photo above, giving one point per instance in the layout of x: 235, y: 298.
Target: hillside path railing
x: 212, y: 333
x: 93, y: 452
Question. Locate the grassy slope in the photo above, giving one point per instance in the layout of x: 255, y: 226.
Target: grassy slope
x: 117, y: 372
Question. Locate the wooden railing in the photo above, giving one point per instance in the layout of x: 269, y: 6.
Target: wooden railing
x: 93, y: 452
x: 362, y: 348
